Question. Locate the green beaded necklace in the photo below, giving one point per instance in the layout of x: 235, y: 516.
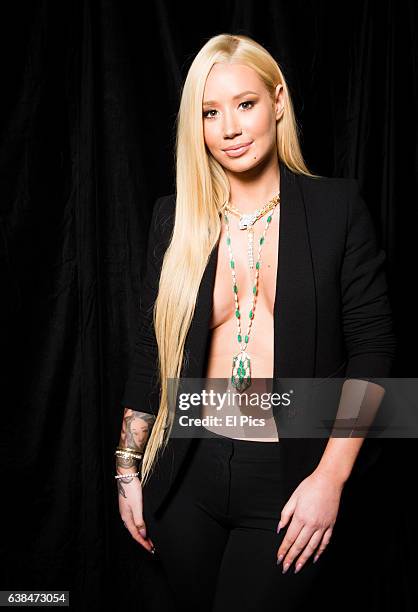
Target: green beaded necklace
x: 241, y: 363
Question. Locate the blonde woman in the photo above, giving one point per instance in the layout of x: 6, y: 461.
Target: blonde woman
x: 256, y: 270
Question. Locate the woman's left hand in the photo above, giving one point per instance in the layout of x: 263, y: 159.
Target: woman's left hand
x: 314, y: 505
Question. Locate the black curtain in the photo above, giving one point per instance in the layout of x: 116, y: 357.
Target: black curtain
x: 90, y: 92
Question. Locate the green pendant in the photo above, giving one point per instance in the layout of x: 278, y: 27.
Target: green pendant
x: 241, y: 371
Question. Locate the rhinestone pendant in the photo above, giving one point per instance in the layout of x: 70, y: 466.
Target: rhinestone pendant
x: 241, y: 371
x: 246, y: 220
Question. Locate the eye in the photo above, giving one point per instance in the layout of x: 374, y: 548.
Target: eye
x: 206, y: 114
x: 248, y: 102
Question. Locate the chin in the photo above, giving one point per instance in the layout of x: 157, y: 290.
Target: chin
x: 247, y: 164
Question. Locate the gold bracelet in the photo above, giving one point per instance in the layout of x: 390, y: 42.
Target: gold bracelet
x: 128, y: 449
x: 126, y: 454
x: 123, y: 452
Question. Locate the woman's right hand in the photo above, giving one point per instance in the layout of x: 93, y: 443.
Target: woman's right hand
x: 131, y: 507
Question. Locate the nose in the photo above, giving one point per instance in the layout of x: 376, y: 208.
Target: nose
x: 231, y: 125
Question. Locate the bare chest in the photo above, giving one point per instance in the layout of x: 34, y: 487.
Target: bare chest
x: 223, y: 323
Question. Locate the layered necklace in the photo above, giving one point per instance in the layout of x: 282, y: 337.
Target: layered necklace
x: 241, y: 363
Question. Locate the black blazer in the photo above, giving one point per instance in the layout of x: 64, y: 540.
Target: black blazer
x: 332, y: 316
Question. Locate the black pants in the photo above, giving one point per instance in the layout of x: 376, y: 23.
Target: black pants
x: 217, y: 539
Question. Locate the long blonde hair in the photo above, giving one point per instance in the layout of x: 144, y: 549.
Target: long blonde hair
x: 201, y: 189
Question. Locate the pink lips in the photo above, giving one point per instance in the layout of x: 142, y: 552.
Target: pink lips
x: 236, y: 152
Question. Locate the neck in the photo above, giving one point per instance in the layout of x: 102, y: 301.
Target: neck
x: 252, y: 189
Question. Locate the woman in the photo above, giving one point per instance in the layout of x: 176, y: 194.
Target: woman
x: 230, y: 512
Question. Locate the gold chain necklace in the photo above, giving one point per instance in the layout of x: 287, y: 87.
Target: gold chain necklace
x: 248, y: 220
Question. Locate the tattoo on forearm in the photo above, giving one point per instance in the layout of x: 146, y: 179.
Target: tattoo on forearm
x: 127, y: 462
x: 122, y: 481
x: 136, y: 429
x: 121, y: 490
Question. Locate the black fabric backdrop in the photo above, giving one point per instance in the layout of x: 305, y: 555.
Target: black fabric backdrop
x: 89, y: 96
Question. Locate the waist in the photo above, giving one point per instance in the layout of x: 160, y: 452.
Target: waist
x: 240, y: 447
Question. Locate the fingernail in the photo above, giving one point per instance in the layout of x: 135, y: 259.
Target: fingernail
x: 316, y: 558
x: 278, y: 528
x: 279, y: 558
x: 299, y: 565
x: 143, y: 532
x: 285, y: 568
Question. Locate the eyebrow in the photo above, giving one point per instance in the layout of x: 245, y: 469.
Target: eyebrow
x: 243, y: 93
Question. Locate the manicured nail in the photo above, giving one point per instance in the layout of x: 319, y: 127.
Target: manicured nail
x: 316, y: 558
x: 285, y: 568
x: 279, y: 558
x: 299, y: 565
x: 278, y: 528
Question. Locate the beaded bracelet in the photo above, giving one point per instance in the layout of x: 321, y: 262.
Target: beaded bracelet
x: 126, y: 475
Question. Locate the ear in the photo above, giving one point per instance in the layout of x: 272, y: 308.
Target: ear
x: 279, y: 101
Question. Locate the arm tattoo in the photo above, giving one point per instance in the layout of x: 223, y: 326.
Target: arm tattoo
x: 136, y: 429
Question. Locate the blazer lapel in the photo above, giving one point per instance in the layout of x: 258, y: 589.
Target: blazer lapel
x: 197, y: 341
x: 295, y: 303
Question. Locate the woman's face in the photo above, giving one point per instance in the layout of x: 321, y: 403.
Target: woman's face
x: 237, y: 109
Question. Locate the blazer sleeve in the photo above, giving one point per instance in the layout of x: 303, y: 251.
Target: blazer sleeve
x: 142, y: 386
x: 366, y: 311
